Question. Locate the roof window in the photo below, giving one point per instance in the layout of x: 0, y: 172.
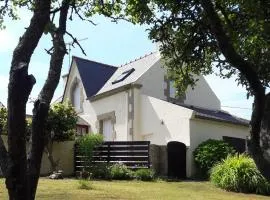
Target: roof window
x: 123, y: 76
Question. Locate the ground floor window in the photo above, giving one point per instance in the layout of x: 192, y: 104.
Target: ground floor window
x: 107, y: 129
x: 81, y: 130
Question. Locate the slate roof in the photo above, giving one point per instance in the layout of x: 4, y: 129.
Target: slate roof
x: 217, y: 115
x: 93, y: 74
x: 140, y: 65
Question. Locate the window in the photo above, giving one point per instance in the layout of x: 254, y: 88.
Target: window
x: 123, y: 76
x: 81, y: 130
x: 76, y: 97
x: 107, y: 129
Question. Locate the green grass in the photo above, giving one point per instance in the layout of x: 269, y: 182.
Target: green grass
x: 68, y: 189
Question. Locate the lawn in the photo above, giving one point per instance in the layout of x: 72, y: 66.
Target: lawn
x: 68, y: 189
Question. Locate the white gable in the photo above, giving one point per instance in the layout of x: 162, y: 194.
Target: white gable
x: 141, y: 66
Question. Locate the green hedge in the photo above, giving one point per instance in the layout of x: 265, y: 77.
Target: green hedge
x: 210, y: 152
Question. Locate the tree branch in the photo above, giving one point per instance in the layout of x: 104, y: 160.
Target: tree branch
x: 75, y: 41
x: 247, y: 70
x: 245, y: 67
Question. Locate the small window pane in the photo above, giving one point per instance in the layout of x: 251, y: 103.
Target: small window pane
x: 76, y: 97
x: 123, y: 76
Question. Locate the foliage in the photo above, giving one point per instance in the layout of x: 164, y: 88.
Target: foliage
x: 100, y: 171
x: 61, y: 122
x: 239, y: 174
x: 28, y: 127
x: 85, y: 184
x: 120, y: 171
x: 86, y: 145
x: 210, y: 152
x: 189, y: 46
x: 3, y: 121
x: 145, y: 174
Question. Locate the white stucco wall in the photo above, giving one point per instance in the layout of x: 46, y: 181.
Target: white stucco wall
x: 202, y: 95
x: 117, y: 103
x: 161, y: 122
x: 201, y: 130
x: 91, y: 110
x: 152, y: 81
x: 153, y: 84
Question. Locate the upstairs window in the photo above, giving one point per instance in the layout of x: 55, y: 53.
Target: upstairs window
x: 76, y: 97
x: 123, y: 76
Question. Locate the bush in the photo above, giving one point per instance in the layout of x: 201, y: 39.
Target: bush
x: 121, y: 172
x: 86, y: 145
x: 85, y: 184
x: 100, y: 171
x: 239, y: 174
x: 210, y: 152
x: 145, y: 174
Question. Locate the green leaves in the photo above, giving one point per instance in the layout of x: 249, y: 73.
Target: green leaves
x: 188, y: 46
x: 61, y: 122
x: 3, y: 121
x: 210, y: 152
x: 239, y: 174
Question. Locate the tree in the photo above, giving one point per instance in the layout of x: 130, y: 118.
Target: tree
x: 21, y: 166
x: 3, y: 121
x: 233, y: 36
x: 60, y: 126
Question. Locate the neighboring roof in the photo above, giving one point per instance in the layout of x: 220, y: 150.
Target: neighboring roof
x: 93, y: 74
x: 216, y: 115
x: 140, y: 65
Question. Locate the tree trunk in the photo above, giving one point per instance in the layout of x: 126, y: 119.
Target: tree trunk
x: 259, y: 144
x: 19, y: 88
x: 41, y: 107
x: 49, y: 151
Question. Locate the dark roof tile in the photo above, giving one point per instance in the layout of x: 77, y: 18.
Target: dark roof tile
x: 216, y: 115
x: 93, y: 74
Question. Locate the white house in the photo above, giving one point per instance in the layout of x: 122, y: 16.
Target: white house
x: 136, y: 102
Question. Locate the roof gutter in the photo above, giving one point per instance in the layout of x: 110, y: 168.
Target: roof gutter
x: 114, y: 91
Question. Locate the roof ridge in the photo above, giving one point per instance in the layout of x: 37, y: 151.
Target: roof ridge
x: 136, y: 59
x: 107, y: 65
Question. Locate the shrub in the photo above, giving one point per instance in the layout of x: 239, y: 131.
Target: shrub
x: 121, y: 172
x: 239, y: 174
x: 100, y: 171
x: 85, y: 184
x: 145, y: 174
x: 86, y: 145
x: 209, y: 153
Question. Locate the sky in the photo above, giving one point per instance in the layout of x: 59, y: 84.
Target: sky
x: 109, y: 43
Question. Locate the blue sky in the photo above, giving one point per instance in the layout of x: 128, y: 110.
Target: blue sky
x: 109, y: 43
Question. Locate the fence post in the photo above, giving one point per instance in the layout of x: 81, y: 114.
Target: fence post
x: 148, y: 144
x: 109, y: 152
x: 74, y: 158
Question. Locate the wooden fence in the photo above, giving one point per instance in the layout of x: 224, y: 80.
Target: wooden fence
x: 134, y: 154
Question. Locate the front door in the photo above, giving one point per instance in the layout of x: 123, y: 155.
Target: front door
x: 107, y: 130
x: 176, y: 160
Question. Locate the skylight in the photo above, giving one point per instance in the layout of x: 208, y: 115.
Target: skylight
x: 123, y: 76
